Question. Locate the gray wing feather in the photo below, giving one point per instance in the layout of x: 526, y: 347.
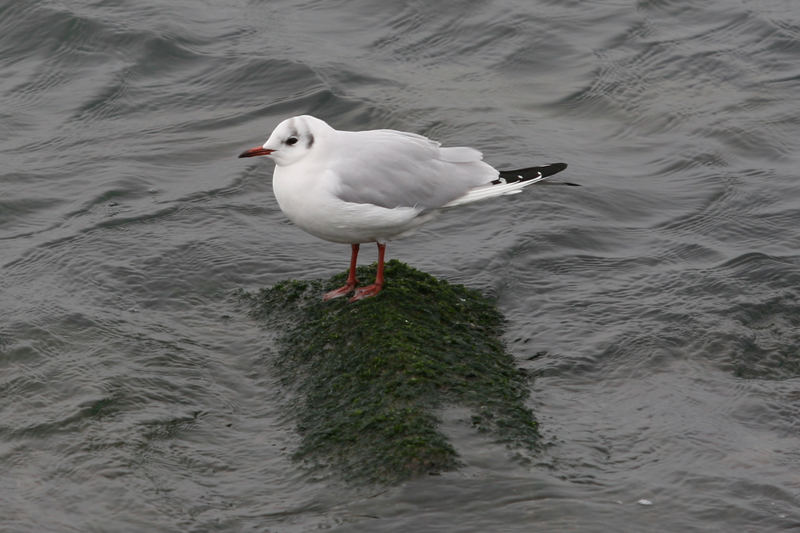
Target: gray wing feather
x: 397, y: 169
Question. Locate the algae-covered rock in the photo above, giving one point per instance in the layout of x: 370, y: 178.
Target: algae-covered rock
x: 371, y: 375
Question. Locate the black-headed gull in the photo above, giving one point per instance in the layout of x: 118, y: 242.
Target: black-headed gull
x: 373, y: 186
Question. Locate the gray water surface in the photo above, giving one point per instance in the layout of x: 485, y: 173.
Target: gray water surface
x: 657, y: 305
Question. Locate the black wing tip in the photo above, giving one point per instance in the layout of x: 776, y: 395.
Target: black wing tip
x: 555, y: 169
x: 525, y: 174
x: 552, y: 168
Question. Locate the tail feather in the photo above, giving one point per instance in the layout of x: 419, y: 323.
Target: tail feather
x: 508, y: 182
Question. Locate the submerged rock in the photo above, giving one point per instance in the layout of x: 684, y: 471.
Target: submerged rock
x: 371, y: 375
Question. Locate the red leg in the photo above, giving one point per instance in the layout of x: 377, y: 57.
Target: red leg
x: 351, y: 282
x: 375, y: 288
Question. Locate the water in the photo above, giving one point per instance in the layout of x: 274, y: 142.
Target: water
x: 658, y: 305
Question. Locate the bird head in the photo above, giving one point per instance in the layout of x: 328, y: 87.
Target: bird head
x: 293, y: 140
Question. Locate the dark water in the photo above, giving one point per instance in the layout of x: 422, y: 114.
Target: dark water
x: 659, y: 304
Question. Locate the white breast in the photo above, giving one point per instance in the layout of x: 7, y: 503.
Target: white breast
x: 310, y: 202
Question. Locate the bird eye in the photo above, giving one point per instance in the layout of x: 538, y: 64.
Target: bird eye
x: 291, y: 140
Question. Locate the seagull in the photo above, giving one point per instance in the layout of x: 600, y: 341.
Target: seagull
x: 355, y: 187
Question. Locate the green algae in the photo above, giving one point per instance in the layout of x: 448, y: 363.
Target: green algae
x: 371, y: 375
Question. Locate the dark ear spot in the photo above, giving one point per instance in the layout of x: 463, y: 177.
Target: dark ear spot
x: 310, y: 141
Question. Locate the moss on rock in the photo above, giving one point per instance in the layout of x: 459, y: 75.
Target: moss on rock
x: 370, y: 375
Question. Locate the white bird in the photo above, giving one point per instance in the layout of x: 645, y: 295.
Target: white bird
x: 373, y: 186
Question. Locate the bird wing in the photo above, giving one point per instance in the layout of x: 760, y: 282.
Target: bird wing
x: 397, y: 169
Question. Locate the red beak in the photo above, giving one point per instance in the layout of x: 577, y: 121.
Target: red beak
x: 253, y: 152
